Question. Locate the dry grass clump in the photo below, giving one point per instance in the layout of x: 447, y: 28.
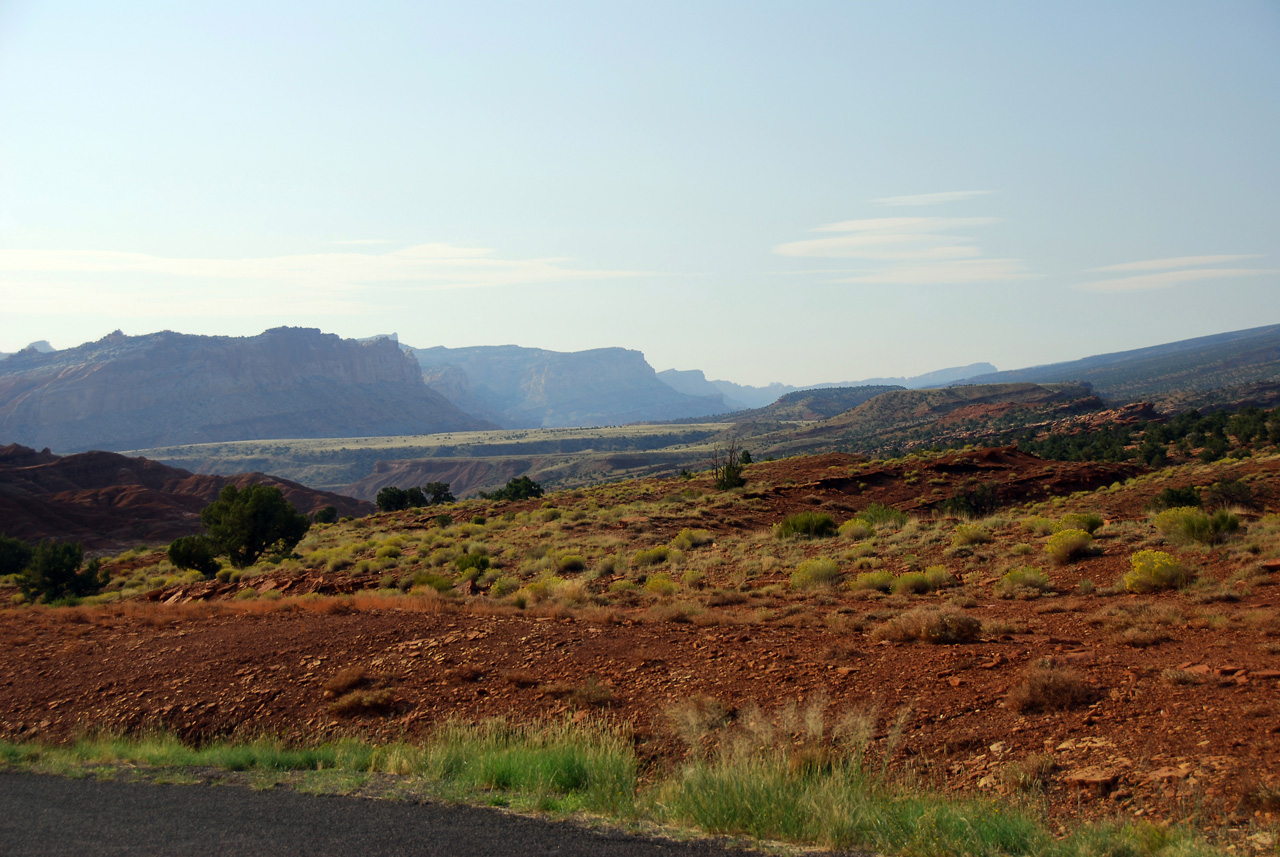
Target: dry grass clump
x: 965, y: 535
x: 867, y: 581
x: 1049, y: 689
x: 937, y: 625
x: 1023, y: 583
x: 362, y: 702
x: 816, y: 573
x: 1179, y: 678
x: 346, y: 680
x: 1030, y: 774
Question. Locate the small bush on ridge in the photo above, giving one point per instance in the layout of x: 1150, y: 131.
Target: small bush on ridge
x: 807, y: 525
x: 1154, y: 571
x: 1067, y: 545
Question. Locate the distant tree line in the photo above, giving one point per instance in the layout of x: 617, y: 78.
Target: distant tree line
x: 394, y: 499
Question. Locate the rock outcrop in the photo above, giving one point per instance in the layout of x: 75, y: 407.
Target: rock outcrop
x: 106, y: 500
x: 533, y: 388
x: 133, y: 392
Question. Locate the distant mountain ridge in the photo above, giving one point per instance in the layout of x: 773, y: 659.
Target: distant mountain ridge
x: 519, y: 387
x: 130, y: 392
x: 744, y: 396
x: 1165, y: 373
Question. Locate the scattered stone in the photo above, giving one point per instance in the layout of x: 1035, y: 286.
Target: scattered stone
x: 1095, y: 780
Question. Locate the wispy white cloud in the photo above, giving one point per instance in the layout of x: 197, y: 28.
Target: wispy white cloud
x: 334, y: 282
x: 363, y: 241
x: 931, y: 198
x: 1175, y: 271
x: 917, y: 250
x: 1175, y: 262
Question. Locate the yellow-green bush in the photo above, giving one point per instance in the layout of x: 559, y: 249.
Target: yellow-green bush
x: 1186, y: 525
x: 969, y: 534
x: 1087, y: 521
x: 689, y: 539
x: 1153, y: 571
x: 660, y: 584
x: 652, y: 556
x: 1067, y: 545
x: 878, y: 580
x: 857, y: 529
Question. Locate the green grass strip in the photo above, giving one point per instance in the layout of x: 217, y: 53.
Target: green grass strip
x: 591, y: 768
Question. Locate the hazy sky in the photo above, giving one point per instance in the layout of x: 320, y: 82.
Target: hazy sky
x: 795, y: 191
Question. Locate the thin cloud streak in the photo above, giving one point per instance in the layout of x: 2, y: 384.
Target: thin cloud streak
x: 1176, y: 262
x: 431, y: 265
x: 932, y: 198
x: 1168, y: 279
x: 918, y: 250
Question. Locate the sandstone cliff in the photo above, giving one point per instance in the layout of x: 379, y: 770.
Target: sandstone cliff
x: 107, y: 500
x: 534, y: 388
x: 169, y: 388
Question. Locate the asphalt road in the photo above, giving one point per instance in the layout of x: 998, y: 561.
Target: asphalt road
x: 46, y: 815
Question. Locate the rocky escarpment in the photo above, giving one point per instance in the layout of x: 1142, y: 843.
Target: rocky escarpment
x: 533, y: 388
x: 107, y: 500
x: 168, y: 388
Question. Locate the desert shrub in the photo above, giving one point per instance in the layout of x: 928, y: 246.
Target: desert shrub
x: 969, y: 534
x: 660, y: 584
x: 694, y: 579
x: 856, y: 529
x: 806, y: 525
x: 877, y: 580
x: 688, y: 539
x: 911, y: 583
x: 816, y: 573
x: 1172, y: 498
x: 937, y: 625
x: 1065, y: 546
x: 1047, y: 689
x: 1154, y: 571
x: 570, y: 562
x: 1228, y: 492
x: 54, y: 573
x: 1087, y: 521
x: 938, y: 577
x: 1186, y: 525
x: 878, y: 514
x: 504, y: 586
x: 14, y: 555
x: 1039, y: 525
x: 387, y: 552
x: 195, y: 553
x: 326, y: 515
x: 1023, y: 582
x: 652, y: 556
x: 476, y: 560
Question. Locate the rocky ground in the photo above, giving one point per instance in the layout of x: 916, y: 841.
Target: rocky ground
x: 1180, y: 721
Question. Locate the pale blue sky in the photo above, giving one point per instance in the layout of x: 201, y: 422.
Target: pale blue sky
x: 798, y: 192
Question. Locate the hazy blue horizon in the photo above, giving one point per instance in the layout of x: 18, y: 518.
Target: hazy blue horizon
x: 803, y: 194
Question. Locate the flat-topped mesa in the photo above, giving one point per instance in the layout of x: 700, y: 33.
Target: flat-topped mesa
x: 535, y: 388
x: 131, y: 392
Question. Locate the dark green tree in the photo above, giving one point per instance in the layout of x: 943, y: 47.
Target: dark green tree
x: 519, y: 488
x: 194, y: 552
x: 14, y: 555
x: 326, y: 515
x: 54, y: 572
x: 392, y: 499
x: 244, y: 525
x: 438, y: 493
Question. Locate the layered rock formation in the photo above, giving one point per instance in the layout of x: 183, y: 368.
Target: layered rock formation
x: 168, y: 388
x: 106, y: 500
x: 533, y: 388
